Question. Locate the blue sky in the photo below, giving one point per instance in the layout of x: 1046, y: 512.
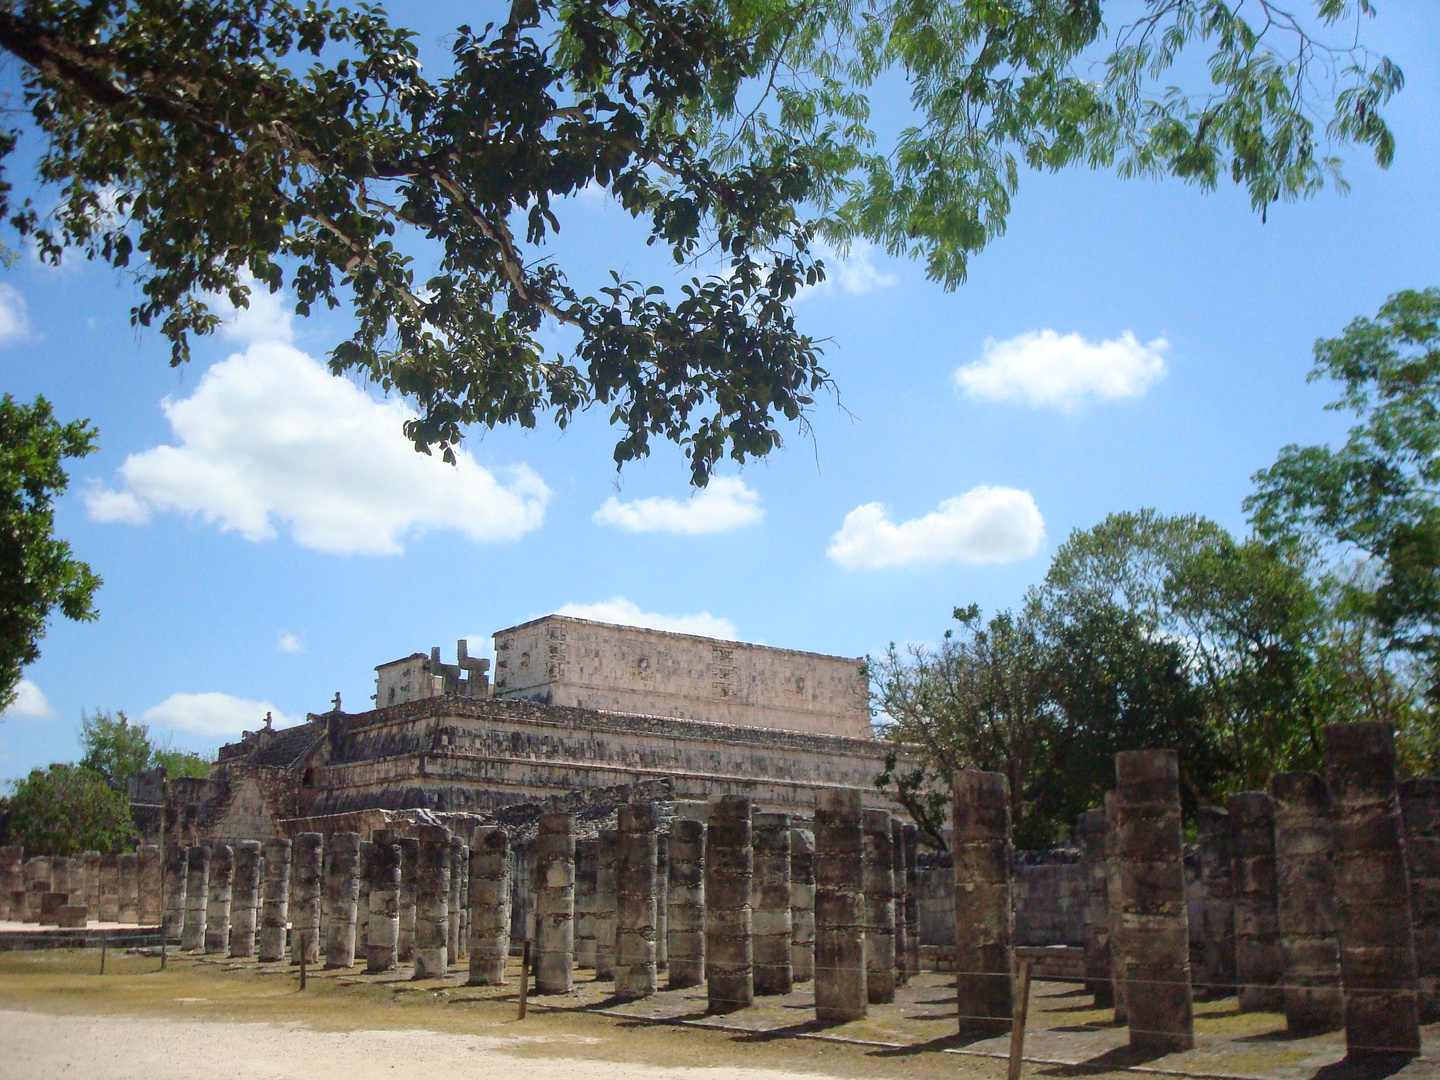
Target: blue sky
x: 266, y: 538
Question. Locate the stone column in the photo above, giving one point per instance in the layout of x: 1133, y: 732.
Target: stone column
x: 1377, y: 949
x: 662, y: 902
x: 605, y: 905
x: 245, y: 898
x: 128, y: 909
x: 1155, y: 939
x: 90, y: 860
x: 555, y: 903
x: 489, y: 907
x: 879, y: 907
x: 1217, y: 880
x: 636, y: 857
x: 459, y: 862
x: 984, y: 923
x: 409, y: 864
x: 1305, y: 904
x: 197, y: 892
x: 1259, y: 963
x: 686, y: 901
x: 61, y: 882
x: 308, y: 859
x: 1420, y: 816
x: 729, y: 866
x: 38, y: 882
x: 841, y: 992
x: 587, y: 865
x: 12, y: 857
x: 217, y: 905
x: 151, y: 900
x: 912, y: 899
x: 275, y: 901
x: 802, y: 905
x: 109, y: 905
x: 432, y: 901
x: 1091, y: 829
x: 902, y: 945
x: 382, y: 887
x: 342, y: 894
x: 1117, y: 923
x: 770, y: 918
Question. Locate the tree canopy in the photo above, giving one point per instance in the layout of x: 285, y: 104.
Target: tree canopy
x: 211, y: 146
x: 37, y: 572
x: 116, y: 749
x: 67, y: 809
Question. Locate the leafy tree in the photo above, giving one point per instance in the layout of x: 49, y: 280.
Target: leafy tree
x: 66, y: 809
x: 178, y: 763
x: 37, y: 572
x: 195, y: 142
x: 979, y: 701
x: 117, y: 749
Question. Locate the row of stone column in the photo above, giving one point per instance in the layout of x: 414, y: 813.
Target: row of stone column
x: 123, y: 887
x: 1321, y: 898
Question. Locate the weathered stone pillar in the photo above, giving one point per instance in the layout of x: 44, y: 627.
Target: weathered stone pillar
x: 605, y: 905
x: 432, y: 901
x: 879, y: 907
x: 1420, y: 816
x: 902, y: 946
x: 152, y: 875
x: 1156, y: 935
x: 729, y: 866
x: 409, y: 865
x: 308, y: 859
x: 555, y: 903
x: 1117, y: 923
x: 365, y: 866
x: 1091, y: 828
x: 1305, y: 903
x: 912, y: 899
x: 662, y: 902
x: 587, y: 865
x: 489, y: 907
x: 1217, y: 881
x: 128, y: 908
x: 217, y: 906
x: 984, y: 923
x: 108, y: 908
x: 770, y: 918
x: 37, y: 884
x: 686, y: 901
x: 197, y: 892
x: 275, y: 902
x: 1259, y: 964
x: 1377, y: 949
x: 459, y: 864
x: 245, y: 898
x: 61, y: 883
x: 12, y: 857
x: 841, y: 992
x: 636, y: 857
x: 342, y: 893
x: 382, y: 885
x: 90, y: 860
x: 802, y: 905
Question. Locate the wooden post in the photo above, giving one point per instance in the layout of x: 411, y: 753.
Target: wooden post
x: 1017, y: 1027
x: 524, y: 976
x: 304, y: 946
x: 163, y: 950
x: 103, y: 942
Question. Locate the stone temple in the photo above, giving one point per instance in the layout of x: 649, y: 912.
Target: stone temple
x: 579, y: 712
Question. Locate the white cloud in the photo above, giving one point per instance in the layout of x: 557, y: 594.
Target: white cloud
x: 1064, y: 371
x: 30, y: 702
x: 289, y: 643
x: 14, y: 316
x: 985, y: 525
x: 269, y: 435
x: 726, y: 503
x: 269, y: 316
x: 853, y: 274
x: 212, y: 714
x: 627, y: 613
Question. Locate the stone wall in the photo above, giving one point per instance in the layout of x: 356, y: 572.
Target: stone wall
x: 576, y: 662
x: 1049, y: 898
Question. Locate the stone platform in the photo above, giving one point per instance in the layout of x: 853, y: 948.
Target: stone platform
x: 22, y: 936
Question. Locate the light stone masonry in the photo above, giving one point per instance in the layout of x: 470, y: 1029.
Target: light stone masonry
x: 197, y: 892
x: 587, y: 860
x: 217, y: 905
x: 770, y: 916
x: 802, y: 905
x: 636, y: 866
x: 275, y: 901
x: 382, y: 930
x: 432, y: 901
x: 128, y: 907
x: 879, y: 907
x: 686, y: 901
x: 605, y: 904
x: 308, y: 861
x: 841, y: 992
x: 489, y: 907
x: 729, y: 866
x: 555, y: 903
x: 984, y: 919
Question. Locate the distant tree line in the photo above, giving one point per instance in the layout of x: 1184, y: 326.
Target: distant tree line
x: 82, y: 806
x: 1170, y: 631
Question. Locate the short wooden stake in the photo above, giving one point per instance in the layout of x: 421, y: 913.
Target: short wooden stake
x: 524, y: 976
x: 103, y: 942
x: 1017, y: 1026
